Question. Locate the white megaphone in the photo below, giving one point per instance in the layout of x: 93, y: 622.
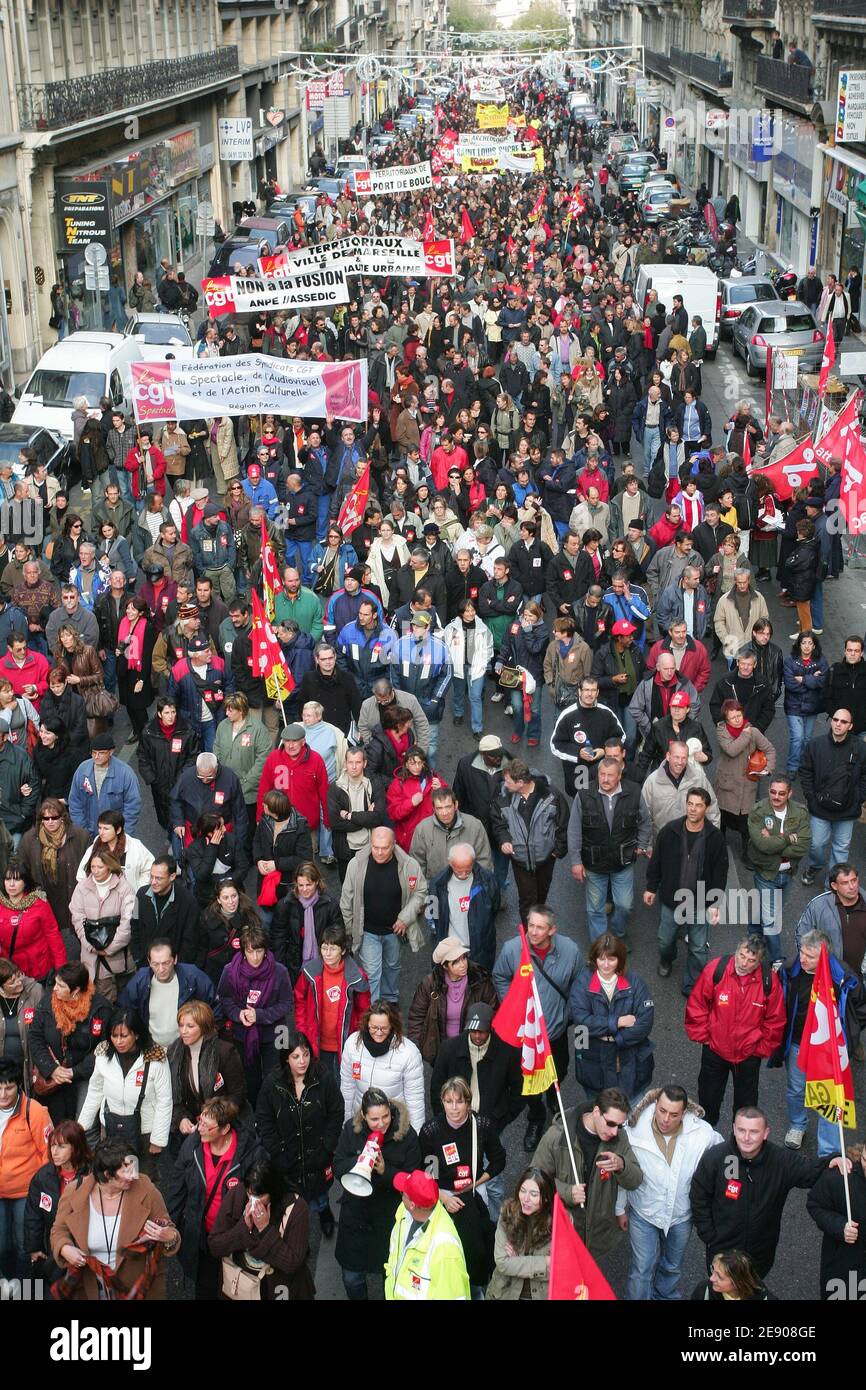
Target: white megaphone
x: 359, y: 1180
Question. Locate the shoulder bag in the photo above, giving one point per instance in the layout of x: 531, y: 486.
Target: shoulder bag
x: 241, y: 1285
x: 127, y: 1127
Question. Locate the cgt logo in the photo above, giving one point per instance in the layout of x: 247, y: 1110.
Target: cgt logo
x: 152, y: 393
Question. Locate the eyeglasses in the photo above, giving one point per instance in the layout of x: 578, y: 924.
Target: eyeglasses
x: 48, y: 818
x: 613, y: 1124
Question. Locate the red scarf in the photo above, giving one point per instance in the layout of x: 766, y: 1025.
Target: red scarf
x: 667, y: 690
x: 647, y: 337
x: 400, y: 744
x: 735, y: 733
x: 167, y: 730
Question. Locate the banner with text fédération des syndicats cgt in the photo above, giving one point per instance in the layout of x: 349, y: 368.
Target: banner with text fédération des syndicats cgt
x: 247, y: 294
x: 399, y: 178
x: 248, y: 385
x: 365, y: 255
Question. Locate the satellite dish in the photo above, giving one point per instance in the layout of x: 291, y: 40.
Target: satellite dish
x: 95, y: 253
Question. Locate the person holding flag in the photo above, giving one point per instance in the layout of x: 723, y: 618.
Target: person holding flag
x: 267, y: 656
x: 272, y: 584
x: 838, y: 1208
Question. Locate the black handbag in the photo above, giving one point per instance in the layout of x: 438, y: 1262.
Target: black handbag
x: 101, y: 933
x: 127, y: 1127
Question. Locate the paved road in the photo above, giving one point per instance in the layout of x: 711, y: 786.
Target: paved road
x: 796, y: 1268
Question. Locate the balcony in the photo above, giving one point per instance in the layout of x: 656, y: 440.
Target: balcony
x: 838, y: 13
x: 53, y: 105
x: 789, y: 84
x: 707, y: 72
x: 659, y: 63
x: 750, y: 14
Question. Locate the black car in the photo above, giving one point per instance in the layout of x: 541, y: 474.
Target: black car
x: 50, y: 448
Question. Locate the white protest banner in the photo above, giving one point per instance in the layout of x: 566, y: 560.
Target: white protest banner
x: 522, y: 163
x: 365, y: 255
x: 248, y: 385
x: 400, y: 178
x: 486, y: 89
x: 480, y: 146
x: 246, y: 294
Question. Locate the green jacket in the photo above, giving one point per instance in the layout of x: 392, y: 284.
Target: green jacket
x: 245, y: 753
x: 306, y: 610
x: 596, y: 1222
x: 766, y: 852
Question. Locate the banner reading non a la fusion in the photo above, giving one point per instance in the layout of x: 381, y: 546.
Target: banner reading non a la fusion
x: 401, y: 178
x: 247, y: 294
x: 360, y: 255
x: 248, y: 385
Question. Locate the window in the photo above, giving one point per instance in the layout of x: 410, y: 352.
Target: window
x: 60, y: 388
x: 747, y: 318
x: 796, y: 323
x: 750, y: 294
x: 116, y: 389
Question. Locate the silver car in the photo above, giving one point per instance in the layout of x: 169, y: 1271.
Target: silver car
x: 655, y: 203
x: 783, y: 324
x: 738, y: 292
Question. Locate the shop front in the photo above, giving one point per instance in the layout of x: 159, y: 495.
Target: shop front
x: 844, y: 242
x: 750, y: 154
x: 794, y: 179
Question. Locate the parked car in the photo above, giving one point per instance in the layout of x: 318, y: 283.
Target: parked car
x: 655, y: 203
x: 274, y: 229
x: 51, y: 449
x: 238, y: 253
x: 285, y: 205
x: 161, y: 337
x: 347, y: 164
x: 659, y: 178
x: 87, y: 363
x: 632, y: 176
x: 782, y: 324
x: 738, y: 292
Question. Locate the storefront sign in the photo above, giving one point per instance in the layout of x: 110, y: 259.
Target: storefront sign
x: 182, y: 157
x: 248, y: 385
x: 235, y: 138
x: 84, y: 212
x: 851, y: 106
x: 246, y: 294
x: 359, y: 255
x: 317, y: 91
x: 402, y: 178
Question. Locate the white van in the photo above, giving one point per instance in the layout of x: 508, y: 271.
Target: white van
x: 699, y: 287
x: 86, y: 363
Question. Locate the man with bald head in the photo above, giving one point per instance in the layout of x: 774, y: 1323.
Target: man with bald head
x: 463, y: 903
x: 382, y: 900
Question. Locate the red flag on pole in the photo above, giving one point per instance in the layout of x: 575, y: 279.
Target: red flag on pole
x: 795, y: 470
x: 538, y: 206
x: 352, y: 510
x: 827, y: 361
x: 269, y: 664
x: 832, y: 443
x: 852, y: 491
x: 520, y: 1022
x: 823, y: 1054
x: 428, y: 232
x: 272, y: 584
x: 467, y: 231
x: 574, y: 1275
x: 510, y: 247
x: 747, y: 449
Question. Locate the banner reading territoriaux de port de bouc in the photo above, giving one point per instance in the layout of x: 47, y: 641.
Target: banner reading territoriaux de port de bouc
x: 244, y: 294
x: 400, y: 178
x: 248, y: 385
x: 365, y: 255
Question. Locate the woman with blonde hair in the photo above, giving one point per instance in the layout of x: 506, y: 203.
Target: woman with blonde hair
x: 86, y: 674
x: 202, y: 1066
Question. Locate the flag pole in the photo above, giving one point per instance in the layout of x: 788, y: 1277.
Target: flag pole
x: 844, y: 1162
x: 559, y: 1100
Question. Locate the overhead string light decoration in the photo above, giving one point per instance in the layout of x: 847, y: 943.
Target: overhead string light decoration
x: 446, y: 69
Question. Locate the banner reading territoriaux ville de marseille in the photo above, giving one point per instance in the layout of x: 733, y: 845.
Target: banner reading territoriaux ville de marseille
x: 401, y: 178
x: 248, y: 385
x: 365, y: 255
x: 243, y: 294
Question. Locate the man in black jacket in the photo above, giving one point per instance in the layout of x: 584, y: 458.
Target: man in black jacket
x: 846, y: 684
x: 708, y: 536
x: 608, y: 828
x: 479, y: 1055
x: 357, y: 805
x: 335, y: 690
x: 690, y: 857
x: 462, y: 580
x: 833, y: 778
x: 740, y: 1188
x: 755, y: 695
x: 417, y: 573
x: 165, y: 909
x: 530, y: 559
x: 569, y: 575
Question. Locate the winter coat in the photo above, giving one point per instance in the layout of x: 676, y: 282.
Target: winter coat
x: 38, y: 945
x: 161, y: 760
x: 375, y: 812
x: 142, y: 1202
x: 731, y: 632
x: 500, y: 1081
x: 621, y: 402
x: 25, y: 1016
x: 694, y: 664
x: 87, y: 906
x: 545, y: 835
x: 833, y: 777
x: 666, y: 801
x: 562, y: 675
x: 613, y: 1056
x: 643, y: 702
x: 525, y: 649
x: 303, y: 779
x: 109, y: 1087
x: 655, y: 745
x: 285, y: 1253
x: 179, y: 922
x: 293, y: 846
x: 671, y: 607
x: 848, y: 993
x: 399, y: 1073
x: 424, y: 670
x: 245, y: 752
x: 365, y: 1225
x: 405, y: 816
x: 735, y: 792
x: 301, y: 1135
x: 49, y: 1048
x: 454, y: 637
x: 309, y: 991
x: 119, y: 792
x: 736, y: 1018
x: 484, y: 900
x: 827, y: 1207
x: 413, y: 889
x: 40, y: 1213
x: 759, y: 705
x: 806, y: 696
x: 220, y: 1074
x: 802, y: 569
x: 223, y: 449
x: 287, y: 929
x: 427, y: 1012
x: 432, y: 842
x: 512, y: 1271
x: 277, y: 1013
x: 595, y: 1222
x: 662, y: 1199
x: 186, y: 1193
x: 58, y: 891
x: 846, y: 689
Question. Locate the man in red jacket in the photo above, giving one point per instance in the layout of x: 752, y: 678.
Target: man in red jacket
x: 737, y: 1012
x: 690, y: 656
x: 300, y: 772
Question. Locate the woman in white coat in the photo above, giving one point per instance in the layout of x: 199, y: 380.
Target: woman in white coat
x: 387, y: 553
x: 101, y: 913
x: 470, y: 646
x: 379, y: 1055
x: 129, y: 1091
x: 133, y: 855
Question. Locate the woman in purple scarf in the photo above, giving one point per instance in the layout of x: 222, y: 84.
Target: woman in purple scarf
x: 256, y: 995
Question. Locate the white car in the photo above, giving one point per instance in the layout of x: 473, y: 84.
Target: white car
x: 86, y: 363
x: 160, y: 337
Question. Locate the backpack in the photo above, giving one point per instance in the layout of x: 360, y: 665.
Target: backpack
x: 766, y: 973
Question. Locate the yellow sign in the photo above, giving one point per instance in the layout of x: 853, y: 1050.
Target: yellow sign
x: 470, y: 164
x: 491, y: 117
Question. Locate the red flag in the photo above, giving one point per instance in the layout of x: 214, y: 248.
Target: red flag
x: 538, y: 206
x: 520, y: 1022
x: 574, y: 1275
x: 827, y: 361
x: 467, y: 231
x: 272, y: 584
x: 832, y: 443
x: 510, y: 247
x: 428, y: 232
x: 823, y: 1054
x: 269, y: 664
x: 852, y: 492
x: 352, y: 510
x: 747, y: 449
x: 794, y: 470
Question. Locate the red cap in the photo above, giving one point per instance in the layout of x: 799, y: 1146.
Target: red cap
x: 419, y: 1188
x: 623, y: 628
x: 682, y: 699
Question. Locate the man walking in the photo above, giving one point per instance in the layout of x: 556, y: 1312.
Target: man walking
x: 688, y: 865
x: 608, y: 828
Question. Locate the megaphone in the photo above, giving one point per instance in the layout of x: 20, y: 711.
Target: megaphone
x: 359, y: 1180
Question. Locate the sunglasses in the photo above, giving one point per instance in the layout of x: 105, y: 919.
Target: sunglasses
x: 613, y: 1124
x: 44, y: 819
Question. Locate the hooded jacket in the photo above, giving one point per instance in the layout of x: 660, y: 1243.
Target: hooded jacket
x: 109, y: 1087
x: 736, y: 1018
x: 366, y: 1222
x: 399, y: 1073
x: 595, y: 1222
x: 662, y: 1199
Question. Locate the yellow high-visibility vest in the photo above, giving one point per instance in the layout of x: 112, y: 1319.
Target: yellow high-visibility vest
x: 429, y: 1266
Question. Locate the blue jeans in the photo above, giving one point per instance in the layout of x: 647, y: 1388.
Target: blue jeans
x: 326, y: 841
x: 495, y: 1190
x: 14, y: 1260
x: 800, y: 729
x: 622, y: 887
x: 533, y: 729
x: 208, y: 736
x: 124, y: 482
x: 561, y: 529
x: 836, y: 833
x: 109, y: 667
x: 772, y: 891
x: 501, y: 865
x: 798, y: 1115
x: 818, y: 606
x: 630, y: 727
x: 433, y: 748
x: 322, y: 508
x: 355, y: 1284
x: 380, y: 960
x: 476, y: 700
x: 656, y: 1260
x: 699, y: 951
x: 302, y: 549
x: 652, y: 441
